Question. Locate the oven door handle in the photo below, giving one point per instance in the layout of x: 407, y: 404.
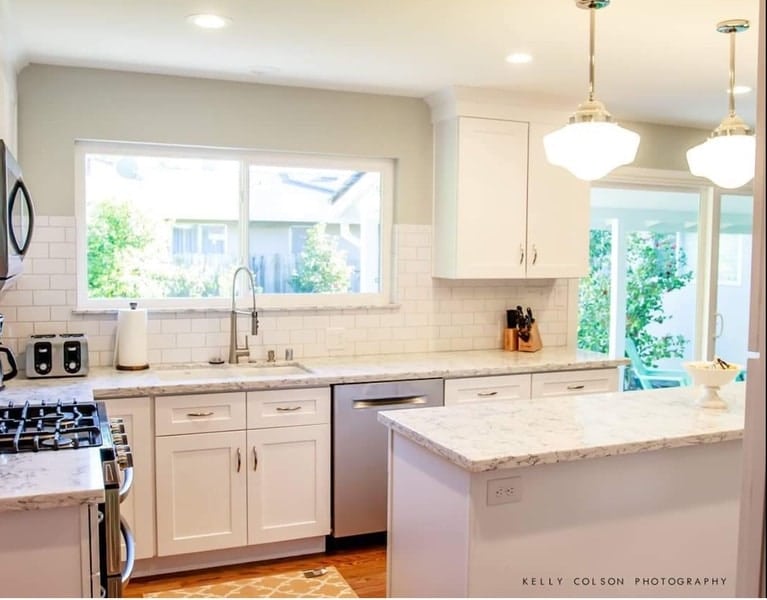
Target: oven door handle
x: 130, y: 552
x: 127, y: 483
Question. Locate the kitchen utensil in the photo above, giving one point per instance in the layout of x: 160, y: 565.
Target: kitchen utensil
x: 12, y: 371
x: 9, y: 358
x: 512, y: 318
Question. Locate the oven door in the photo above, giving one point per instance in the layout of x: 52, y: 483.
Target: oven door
x: 115, y: 573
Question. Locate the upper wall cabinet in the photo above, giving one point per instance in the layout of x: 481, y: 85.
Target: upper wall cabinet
x: 500, y: 209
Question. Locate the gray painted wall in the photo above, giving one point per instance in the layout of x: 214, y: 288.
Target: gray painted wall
x: 57, y: 105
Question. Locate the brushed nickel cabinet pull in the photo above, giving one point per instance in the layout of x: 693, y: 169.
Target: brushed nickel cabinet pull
x: 575, y: 387
x: 521, y: 254
x: 255, y: 459
x: 535, y: 254
x: 200, y: 414
x: 486, y: 394
x: 239, y: 460
x: 288, y: 408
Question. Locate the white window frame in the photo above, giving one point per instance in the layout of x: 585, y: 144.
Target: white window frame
x: 246, y: 158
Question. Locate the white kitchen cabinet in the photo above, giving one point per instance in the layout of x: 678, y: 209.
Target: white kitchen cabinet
x: 500, y: 209
x: 289, y: 483
x: 258, y: 473
x: 138, y: 507
x: 563, y: 383
x: 482, y: 389
x: 201, y: 492
x: 289, y: 454
x: 530, y: 385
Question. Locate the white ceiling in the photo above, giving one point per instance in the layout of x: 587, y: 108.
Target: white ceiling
x: 656, y: 60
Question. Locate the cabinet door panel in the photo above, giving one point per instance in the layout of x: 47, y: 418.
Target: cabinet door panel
x: 138, y: 507
x: 557, y: 215
x: 492, y: 192
x: 288, y: 483
x: 201, y: 493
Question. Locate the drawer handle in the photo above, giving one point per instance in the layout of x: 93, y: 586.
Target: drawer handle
x: 200, y: 414
x: 239, y: 460
x: 486, y: 394
x: 288, y: 408
x: 255, y: 459
x: 576, y: 387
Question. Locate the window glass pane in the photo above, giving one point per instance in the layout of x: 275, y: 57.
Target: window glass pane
x: 315, y: 230
x: 160, y: 226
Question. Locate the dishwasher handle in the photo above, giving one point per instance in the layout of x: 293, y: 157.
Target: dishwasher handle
x: 394, y: 401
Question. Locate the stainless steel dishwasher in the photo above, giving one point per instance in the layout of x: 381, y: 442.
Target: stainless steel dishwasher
x: 360, y: 448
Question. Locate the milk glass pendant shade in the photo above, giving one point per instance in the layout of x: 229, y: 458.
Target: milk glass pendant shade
x: 728, y: 156
x: 591, y: 144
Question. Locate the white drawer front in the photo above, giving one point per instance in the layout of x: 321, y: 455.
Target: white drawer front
x: 196, y: 413
x: 483, y: 389
x: 278, y: 408
x: 563, y: 383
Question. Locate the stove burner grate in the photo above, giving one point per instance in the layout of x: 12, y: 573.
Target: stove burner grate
x: 49, y: 426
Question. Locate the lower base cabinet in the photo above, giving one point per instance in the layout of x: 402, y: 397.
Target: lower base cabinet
x: 138, y: 506
x: 226, y: 489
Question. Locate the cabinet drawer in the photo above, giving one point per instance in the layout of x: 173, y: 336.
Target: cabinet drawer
x: 197, y: 413
x: 278, y: 408
x: 563, y: 383
x: 482, y: 389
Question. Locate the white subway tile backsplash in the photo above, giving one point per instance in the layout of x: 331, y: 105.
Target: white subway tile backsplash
x: 432, y: 314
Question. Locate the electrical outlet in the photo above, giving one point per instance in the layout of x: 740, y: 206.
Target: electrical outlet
x: 504, y: 491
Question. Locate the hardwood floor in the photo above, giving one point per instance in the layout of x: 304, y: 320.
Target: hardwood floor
x: 361, y: 562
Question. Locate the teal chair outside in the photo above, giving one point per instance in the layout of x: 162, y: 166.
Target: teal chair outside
x: 651, y: 378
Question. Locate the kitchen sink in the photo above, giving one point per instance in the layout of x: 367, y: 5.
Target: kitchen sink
x: 228, y: 371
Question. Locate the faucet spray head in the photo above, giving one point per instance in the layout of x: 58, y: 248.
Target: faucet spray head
x: 254, y: 322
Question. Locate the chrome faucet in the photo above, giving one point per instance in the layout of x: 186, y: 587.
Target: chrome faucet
x: 236, y: 351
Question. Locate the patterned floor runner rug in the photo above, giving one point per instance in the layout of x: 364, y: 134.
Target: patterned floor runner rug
x: 294, y: 584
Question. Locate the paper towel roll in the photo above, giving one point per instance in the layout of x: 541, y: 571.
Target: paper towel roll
x: 131, y: 339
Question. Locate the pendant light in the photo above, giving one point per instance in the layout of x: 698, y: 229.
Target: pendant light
x: 728, y: 156
x: 592, y: 144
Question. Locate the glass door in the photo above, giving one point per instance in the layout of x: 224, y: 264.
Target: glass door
x: 641, y: 296
x: 730, y: 335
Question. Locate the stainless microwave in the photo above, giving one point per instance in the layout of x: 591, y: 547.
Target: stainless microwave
x: 17, y: 217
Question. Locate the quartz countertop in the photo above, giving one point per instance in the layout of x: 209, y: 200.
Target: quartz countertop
x: 107, y: 382
x: 55, y: 478
x: 509, y: 434
x: 50, y: 478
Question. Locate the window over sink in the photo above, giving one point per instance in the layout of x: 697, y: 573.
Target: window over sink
x: 168, y: 225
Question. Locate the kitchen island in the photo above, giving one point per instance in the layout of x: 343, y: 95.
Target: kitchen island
x: 617, y: 494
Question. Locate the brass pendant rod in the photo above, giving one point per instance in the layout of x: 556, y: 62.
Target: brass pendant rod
x: 592, y: 24
x: 732, y: 72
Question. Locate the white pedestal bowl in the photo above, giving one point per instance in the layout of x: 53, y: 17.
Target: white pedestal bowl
x: 711, y: 376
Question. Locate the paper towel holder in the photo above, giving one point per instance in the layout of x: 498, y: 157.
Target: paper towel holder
x: 140, y: 367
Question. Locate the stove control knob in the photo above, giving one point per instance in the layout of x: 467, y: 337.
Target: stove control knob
x: 120, y: 439
x: 117, y: 425
x: 124, y: 456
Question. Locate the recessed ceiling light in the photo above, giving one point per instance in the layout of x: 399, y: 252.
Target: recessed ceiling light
x: 519, y: 58
x: 741, y: 89
x: 209, y: 21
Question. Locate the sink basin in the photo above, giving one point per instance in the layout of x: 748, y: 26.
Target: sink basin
x: 228, y: 371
